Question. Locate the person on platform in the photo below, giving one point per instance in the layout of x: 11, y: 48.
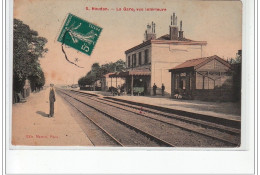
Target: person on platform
x: 154, y: 89
x: 118, y: 90
x: 163, y: 88
x: 51, y: 100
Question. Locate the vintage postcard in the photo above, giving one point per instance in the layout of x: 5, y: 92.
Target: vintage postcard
x: 141, y: 73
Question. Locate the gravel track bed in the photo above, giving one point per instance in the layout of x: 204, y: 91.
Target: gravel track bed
x: 212, y: 132
x: 126, y: 136
x: 193, y: 121
x: 174, y: 135
x: 94, y: 133
x: 207, y: 124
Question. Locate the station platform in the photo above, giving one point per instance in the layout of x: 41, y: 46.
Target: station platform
x: 225, y: 110
x: 31, y: 125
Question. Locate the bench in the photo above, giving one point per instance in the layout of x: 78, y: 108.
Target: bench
x: 21, y: 99
x: 138, y: 90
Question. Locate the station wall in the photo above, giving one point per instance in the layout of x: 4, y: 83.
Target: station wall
x: 165, y: 57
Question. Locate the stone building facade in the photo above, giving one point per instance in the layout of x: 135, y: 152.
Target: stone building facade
x: 148, y: 62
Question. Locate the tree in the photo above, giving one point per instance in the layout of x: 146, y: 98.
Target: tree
x: 120, y: 65
x: 236, y: 60
x: 236, y: 75
x: 82, y: 81
x: 98, y: 71
x: 36, y: 78
x: 28, y: 47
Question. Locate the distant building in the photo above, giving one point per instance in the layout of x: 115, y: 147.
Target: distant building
x: 207, y: 78
x: 97, y: 85
x: 148, y: 63
x: 107, y: 82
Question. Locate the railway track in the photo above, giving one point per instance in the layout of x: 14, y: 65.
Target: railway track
x: 222, y: 134
x: 219, y: 132
x: 115, y: 142
x: 142, y: 138
x: 199, y: 122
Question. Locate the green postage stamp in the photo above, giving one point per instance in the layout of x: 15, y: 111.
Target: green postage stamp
x: 79, y: 34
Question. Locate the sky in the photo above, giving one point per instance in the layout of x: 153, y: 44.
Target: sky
x: 217, y: 22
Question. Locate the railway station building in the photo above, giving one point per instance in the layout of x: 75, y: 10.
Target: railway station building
x: 202, y: 79
x: 148, y: 63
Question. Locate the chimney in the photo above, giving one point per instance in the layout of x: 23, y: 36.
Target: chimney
x: 150, y: 32
x: 181, y: 32
x: 174, y: 28
x: 153, y: 25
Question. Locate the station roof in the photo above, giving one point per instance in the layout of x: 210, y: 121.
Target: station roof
x: 139, y: 46
x: 165, y: 39
x: 198, y: 62
x: 107, y: 75
x: 131, y: 72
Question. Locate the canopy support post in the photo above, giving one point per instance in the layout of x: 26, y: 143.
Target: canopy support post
x: 132, y: 85
x: 111, y: 83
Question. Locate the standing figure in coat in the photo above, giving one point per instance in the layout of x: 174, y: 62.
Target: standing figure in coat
x: 154, y: 89
x: 163, y: 88
x: 52, y: 100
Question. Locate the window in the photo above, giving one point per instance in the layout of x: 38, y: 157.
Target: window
x: 182, y: 83
x: 129, y: 61
x: 176, y: 81
x: 134, y: 60
x: 204, y: 82
x: 146, y: 56
x: 199, y: 81
x: 140, y: 58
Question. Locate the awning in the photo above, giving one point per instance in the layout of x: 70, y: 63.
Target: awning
x: 130, y: 73
x: 107, y: 75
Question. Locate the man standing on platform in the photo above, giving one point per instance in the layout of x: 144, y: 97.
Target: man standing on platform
x: 154, y: 89
x: 163, y: 88
x: 52, y: 100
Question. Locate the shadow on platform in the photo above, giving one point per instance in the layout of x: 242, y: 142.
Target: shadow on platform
x: 42, y: 114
